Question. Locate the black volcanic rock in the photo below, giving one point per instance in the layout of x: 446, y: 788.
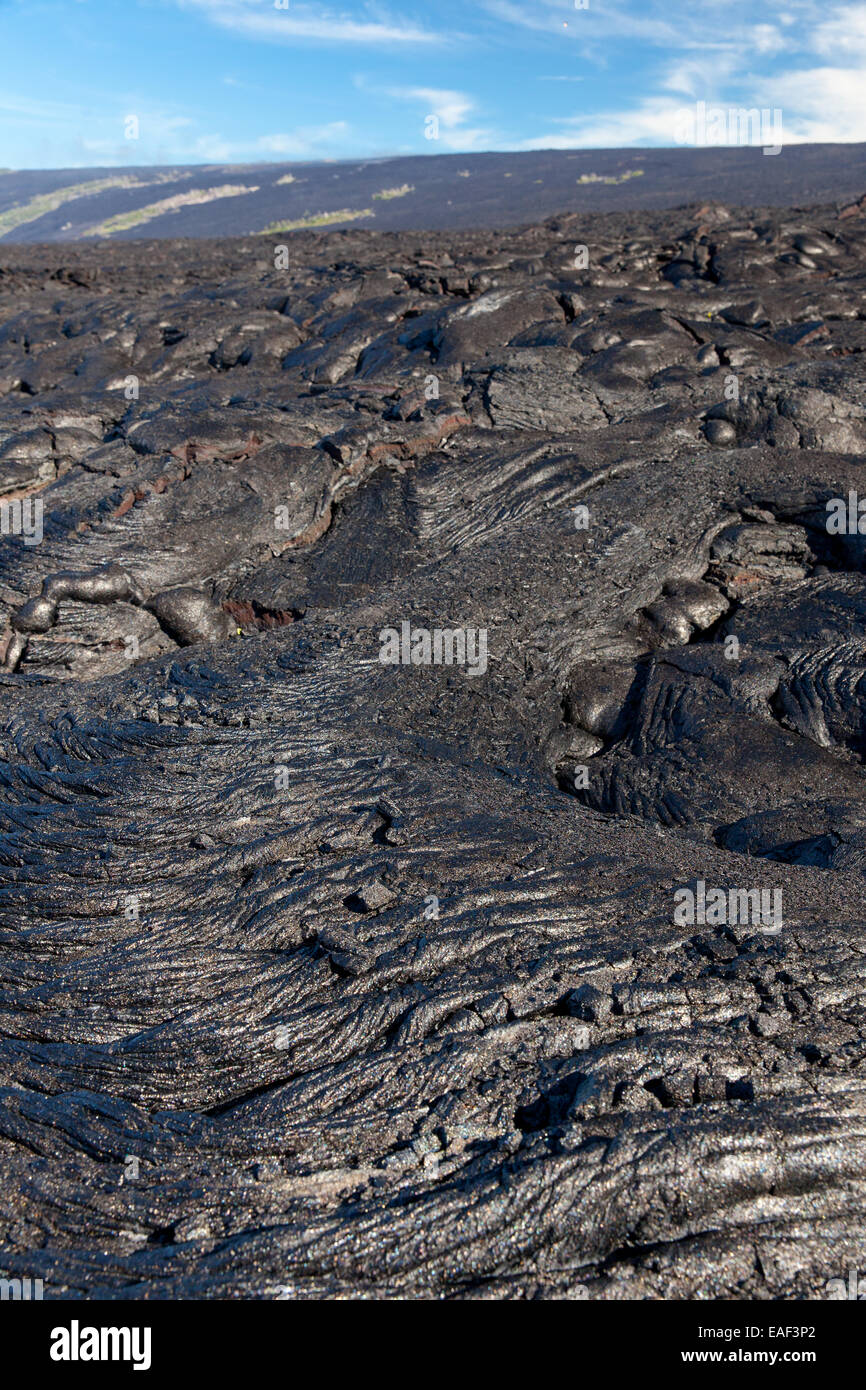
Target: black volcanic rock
x: 326, y: 975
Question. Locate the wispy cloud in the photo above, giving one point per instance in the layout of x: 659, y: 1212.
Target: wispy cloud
x: 823, y: 104
x: 164, y: 137
x: 306, y: 142
x: 561, y: 18
x: 451, y: 110
x: 736, y: 68
x: 843, y: 32
x: 652, y: 122
x: 260, y: 19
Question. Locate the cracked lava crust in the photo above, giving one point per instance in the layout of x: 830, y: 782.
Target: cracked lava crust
x: 326, y: 977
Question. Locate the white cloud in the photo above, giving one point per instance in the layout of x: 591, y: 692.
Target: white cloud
x: 451, y: 109
x: 561, y: 17
x: 80, y: 138
x: 700, y: 77
x: 307, y: 142
x: 304, y: 141
x: 826, y: 103
x: 844, y: 33
x: 653, y: 122
x: 766, y: 38
x: 259, y: 19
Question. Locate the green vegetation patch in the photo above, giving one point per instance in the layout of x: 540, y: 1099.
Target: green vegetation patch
x: 318, y: 219
x: 43, y: 203
x: 387, y: 193
x: 136, y: 217
x: 611, y: 178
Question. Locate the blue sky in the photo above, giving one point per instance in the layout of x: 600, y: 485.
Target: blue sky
x: 239, y: 81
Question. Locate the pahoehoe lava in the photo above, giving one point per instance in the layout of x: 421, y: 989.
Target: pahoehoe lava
x: 328, y: 977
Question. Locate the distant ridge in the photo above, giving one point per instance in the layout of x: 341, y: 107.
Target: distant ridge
x: 419, y: 191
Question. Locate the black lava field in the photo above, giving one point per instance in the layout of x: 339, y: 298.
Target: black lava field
x: 329, y: 975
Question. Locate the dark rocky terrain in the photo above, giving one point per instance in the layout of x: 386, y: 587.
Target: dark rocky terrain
x: 323, y: 976
x: 398, y: 194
